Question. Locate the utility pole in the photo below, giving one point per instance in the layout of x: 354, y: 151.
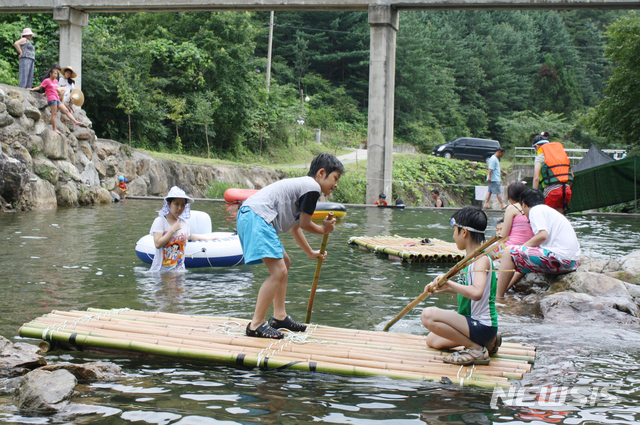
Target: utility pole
x: 269, y: 50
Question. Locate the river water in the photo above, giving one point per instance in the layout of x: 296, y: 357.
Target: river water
x: 81, y: 258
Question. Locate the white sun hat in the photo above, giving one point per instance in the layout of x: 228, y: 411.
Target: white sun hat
x: 176, y: 192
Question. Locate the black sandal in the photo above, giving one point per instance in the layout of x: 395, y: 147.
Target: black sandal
x: 493, y: 346
x: 287, y: 323
x: 264, y: 331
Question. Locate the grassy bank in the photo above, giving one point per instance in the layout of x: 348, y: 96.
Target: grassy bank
x: 414, y: 176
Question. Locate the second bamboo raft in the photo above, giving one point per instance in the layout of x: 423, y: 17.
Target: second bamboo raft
x: 411, y: 250
x: 319, y: 349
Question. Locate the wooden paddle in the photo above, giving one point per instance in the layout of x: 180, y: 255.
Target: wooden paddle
x: 485, y: 247
x: 317, y: 275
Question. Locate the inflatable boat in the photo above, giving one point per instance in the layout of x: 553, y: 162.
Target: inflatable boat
x: 222, y: 252
x: 235, y: 196
x: 323, y: 208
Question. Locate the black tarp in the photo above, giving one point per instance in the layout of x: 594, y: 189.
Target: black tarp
x: 593, y: 158
x: 609, y: 184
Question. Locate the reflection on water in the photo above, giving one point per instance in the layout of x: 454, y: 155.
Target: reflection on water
x: 80, y: 258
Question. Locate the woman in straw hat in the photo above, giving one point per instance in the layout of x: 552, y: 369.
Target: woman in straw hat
x: 27, y: 58
x: 65, y: 85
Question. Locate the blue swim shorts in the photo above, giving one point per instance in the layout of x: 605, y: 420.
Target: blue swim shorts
x: 54, y: 103
x: 258, y: 239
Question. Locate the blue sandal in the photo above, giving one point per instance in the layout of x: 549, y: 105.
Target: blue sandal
x: 264, y: 331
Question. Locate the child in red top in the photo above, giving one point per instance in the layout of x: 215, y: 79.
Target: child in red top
x: 50, y: 86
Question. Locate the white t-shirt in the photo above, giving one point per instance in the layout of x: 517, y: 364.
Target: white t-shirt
x: 562, y: 239
x: 62, y: 82
x: 171, y: 256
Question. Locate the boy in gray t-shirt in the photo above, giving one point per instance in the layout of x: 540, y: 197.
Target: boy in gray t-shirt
x: 286, y: 205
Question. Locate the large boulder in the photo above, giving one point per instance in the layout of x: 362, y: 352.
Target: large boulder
x: 89, y: 371
x: 90, y: 175
x: 69, y: 171
x: 15, y: 107
x: 46, y: 169
x: 22, y: 154
x: 95, y: 196
x: 31, y: 112
x: 18, y: 359
x: 67, y: 195
x: 581, y: 296
x: 42, y: 391
x: 55, y: 145
x: 137, y: 187
x: 629, y: 268
x: 579, y: 308
x: 14, y: 176
x: 42, y: 195
x: 5, y: 119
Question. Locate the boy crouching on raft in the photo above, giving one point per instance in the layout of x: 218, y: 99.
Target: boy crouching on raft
x: 475, y: 325
x: 286, y: 205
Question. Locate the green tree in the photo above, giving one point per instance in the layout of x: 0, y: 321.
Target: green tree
x: 177, y: 113
x: 204, y: 106
x: 519, y: 129
x: 125, y: 82
x: 618, y: 115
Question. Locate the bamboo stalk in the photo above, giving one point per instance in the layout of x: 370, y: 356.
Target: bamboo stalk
x: 316, y: 277
x: 452, y: 272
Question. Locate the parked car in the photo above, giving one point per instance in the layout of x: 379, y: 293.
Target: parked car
x: 467, y: 148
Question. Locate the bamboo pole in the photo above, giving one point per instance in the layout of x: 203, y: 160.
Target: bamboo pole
x: 452, y: 272
x: 316, y: 277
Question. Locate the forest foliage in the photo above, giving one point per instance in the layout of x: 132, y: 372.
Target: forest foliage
x: 195, y: 82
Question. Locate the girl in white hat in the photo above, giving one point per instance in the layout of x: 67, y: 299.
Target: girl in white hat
x: 26, y: 58
x: 171, y: 232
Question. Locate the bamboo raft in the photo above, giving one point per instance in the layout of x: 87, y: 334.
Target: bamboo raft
x: 411, y: 250
x: 320, y: 349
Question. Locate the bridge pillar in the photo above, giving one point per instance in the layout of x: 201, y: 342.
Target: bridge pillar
x: 71, y: 22
x: 384, y: 22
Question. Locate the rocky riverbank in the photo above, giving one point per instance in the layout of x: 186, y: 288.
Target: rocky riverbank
x: 40, y: 169
x: 603, y: 291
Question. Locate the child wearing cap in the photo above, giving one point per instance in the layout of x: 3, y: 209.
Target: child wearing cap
x: 475, y: 325
x: 171, y: 232
x: 283, y: 206
x: 122, y: 184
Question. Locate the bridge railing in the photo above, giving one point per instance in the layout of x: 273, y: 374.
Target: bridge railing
x: 527, y: 155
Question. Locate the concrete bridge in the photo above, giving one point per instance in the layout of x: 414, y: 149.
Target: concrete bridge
x: 73, y: 15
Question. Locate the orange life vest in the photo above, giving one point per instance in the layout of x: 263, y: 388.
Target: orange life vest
x: 556, y: 168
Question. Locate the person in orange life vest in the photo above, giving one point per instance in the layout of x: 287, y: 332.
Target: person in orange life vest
x: 552, y: 173
x: 381, y: 200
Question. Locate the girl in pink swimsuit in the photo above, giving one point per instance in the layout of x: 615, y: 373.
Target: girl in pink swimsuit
x: 516, y: 224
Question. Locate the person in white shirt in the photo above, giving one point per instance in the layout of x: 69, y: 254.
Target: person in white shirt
x: 554, y: 248
x: 171, y: 232
x: 65, y: 85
